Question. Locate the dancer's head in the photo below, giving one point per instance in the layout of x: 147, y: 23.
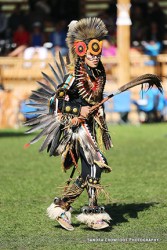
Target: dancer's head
x: 84, y: 39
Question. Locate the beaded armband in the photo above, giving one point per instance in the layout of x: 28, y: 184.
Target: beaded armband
x: 62, y: 92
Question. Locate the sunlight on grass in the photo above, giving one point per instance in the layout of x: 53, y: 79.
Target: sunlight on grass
x: 137, y: 188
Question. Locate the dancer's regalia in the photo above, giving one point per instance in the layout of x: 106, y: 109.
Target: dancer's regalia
x: 67, y: 131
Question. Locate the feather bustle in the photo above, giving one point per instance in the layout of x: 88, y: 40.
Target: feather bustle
x: 62, y: 64
x: 56, y: 75
x: 47, y: 78
x: 46, y: 88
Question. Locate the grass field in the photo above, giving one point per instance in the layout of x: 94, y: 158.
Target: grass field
x: 137, y: 187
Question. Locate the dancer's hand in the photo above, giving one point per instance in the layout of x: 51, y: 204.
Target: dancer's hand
x: 85, y: 110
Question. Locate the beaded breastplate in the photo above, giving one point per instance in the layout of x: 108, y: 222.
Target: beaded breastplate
x: 90, y: 81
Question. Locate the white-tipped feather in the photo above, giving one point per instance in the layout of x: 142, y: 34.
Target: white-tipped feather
x: 88, y: 144
x: 72, y: 24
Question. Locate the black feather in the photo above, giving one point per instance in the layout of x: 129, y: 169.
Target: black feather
x: 49, y: 80
x: 50, y: 132
x: 60, y: 71
x: 36, y: 120
x: 36, y: 105
x: 40, y: 125
x: 62, y: 64
x: 55, y: 140
x: 63, y: 143
x: 42, y: 94
x: 37, y: 112
x: 36, y: 99
x: 56, y: 75
x: 67, y: 59
x: 46, y: 88
x: 47, y: 140
x: 41, y: 134
x: 147, y: 78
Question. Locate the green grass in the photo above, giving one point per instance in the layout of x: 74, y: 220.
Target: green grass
x: 137, y: 187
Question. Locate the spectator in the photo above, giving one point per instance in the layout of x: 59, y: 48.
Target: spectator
x: 120, y: 104
x: 37, y: 37
x: 21, y: 36
x: 153, y: 46
x: 150, y: 105
x: 31, y: 51
x: 108, y: 49
x: 58, y: 37
x: 36, y: 46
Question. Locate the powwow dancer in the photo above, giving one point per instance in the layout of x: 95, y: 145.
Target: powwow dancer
x: 74, y: 113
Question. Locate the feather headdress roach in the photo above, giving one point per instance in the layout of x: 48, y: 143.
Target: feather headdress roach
x: 83, y: 32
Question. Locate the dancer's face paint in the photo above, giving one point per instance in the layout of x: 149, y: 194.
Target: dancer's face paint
x: 92, y: 60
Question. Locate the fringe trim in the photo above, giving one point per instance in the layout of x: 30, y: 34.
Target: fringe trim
x: 93, y: 218
x: 103, y: 165
x: 99, y: 189
x: 54, y: 211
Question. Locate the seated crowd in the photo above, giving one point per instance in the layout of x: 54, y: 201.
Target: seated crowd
x: 28, y: 28
x: 26, y: 34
